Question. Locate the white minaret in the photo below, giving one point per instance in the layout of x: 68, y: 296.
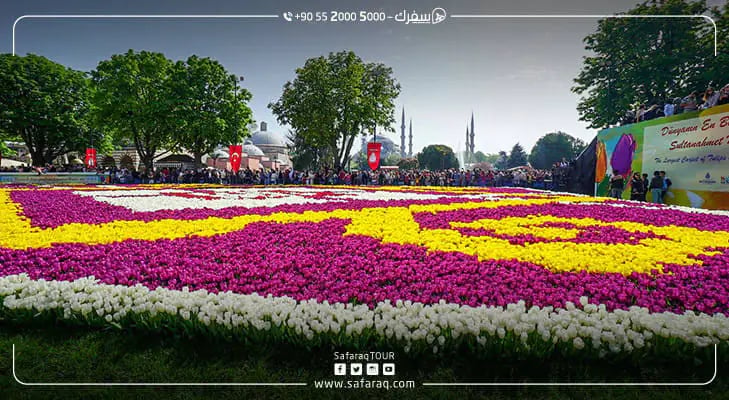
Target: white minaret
x: 465, y: 152
x: 402, y: 134
x: 472, y: 150
x: 410, y: 151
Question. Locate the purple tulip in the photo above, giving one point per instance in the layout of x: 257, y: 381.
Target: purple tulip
x: 315, y: 261
x: 622, y: 158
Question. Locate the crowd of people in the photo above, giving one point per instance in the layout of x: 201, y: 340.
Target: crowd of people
x: 692, y: 102
x: 519, y: 177
x: 640, y: 186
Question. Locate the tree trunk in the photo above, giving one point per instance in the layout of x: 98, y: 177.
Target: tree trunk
x: 149, y: 163
x: 347, y: 150
x: 146, y: 159
x: 38, y: 160
x: 198, y: 159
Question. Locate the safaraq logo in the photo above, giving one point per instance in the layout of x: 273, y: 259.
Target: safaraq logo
x: 708, y: 181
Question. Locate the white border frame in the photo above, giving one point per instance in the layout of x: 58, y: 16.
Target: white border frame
x: 596, y: 16
x: 149, y: 383
x: 471, y: 16
x: 233, y: 16
x: 492, y: 384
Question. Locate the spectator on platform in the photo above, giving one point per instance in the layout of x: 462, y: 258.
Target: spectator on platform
x: 652, y: 113
x: 723, y: 95
x: 628, y: 118
x: 690, y: 102
x: 656, y: 187
x: 710, y: 98
x: 668, y: 108
x: 677, y: 106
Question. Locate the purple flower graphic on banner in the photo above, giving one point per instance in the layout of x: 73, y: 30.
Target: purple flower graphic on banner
x: 622, y: 157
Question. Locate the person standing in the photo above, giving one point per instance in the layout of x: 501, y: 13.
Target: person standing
x: 646, y: 183
x: 666, y: 185
x: 637, y: 191
x: 677, y: 106
x: 617, y: 184
x: 690, y: 102
x: 710, y: 98
x: 723, y: 95
x: 656, y: 187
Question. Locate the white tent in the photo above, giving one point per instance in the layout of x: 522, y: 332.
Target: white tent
x: 6, y: 162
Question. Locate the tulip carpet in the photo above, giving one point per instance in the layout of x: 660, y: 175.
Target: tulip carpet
x: 425, y: 269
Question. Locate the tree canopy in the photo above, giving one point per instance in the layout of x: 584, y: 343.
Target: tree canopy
x: 650, y: 60
x: 502, y: 160
x: 408, y: 163
x: 436, y: 157
x: 333, y: 100
x: 209, y: 110
x: 480, y: 157
x: 517, y: 157
x: 44, y: 104
x: 134, y: 100
x: 554, y: 146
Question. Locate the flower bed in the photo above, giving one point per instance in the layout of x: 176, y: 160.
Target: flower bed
x: 421, y: 269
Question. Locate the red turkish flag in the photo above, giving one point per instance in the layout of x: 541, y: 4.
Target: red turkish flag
x: 90, y: 160
x: 235, y: 151
x: 373, y: 154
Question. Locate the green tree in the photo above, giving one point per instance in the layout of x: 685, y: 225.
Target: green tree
x: 643, y: 60
x: 502, y: 160
x: 45, y: 105
x: 408, y: 163
x: 333, y: 99
x: 133, y: 99
x: 715, y: 70
x: 5, y: 151
x: 305, y: 156
x: 391, y: 159
x: 517, y: 157
x: 552, y: 147
x: 479, y: 157
x: 209, y: 110
x: 436, y: 157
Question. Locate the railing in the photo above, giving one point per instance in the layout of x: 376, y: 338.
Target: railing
x: 51, y: 178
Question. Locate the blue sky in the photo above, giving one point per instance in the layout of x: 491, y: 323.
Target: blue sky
x: 515, y: 75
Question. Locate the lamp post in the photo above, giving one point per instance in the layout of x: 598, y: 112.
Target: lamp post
x: 236, y: 78
x: 608, y: 64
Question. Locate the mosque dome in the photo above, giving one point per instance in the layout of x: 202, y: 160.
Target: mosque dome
x: 251, y: 149
x: 266, y: 138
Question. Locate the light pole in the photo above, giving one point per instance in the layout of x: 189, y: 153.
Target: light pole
x: 236, y: 78
x: 608, y: 64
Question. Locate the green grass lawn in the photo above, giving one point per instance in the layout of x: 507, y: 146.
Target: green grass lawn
x: 69, y: 354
